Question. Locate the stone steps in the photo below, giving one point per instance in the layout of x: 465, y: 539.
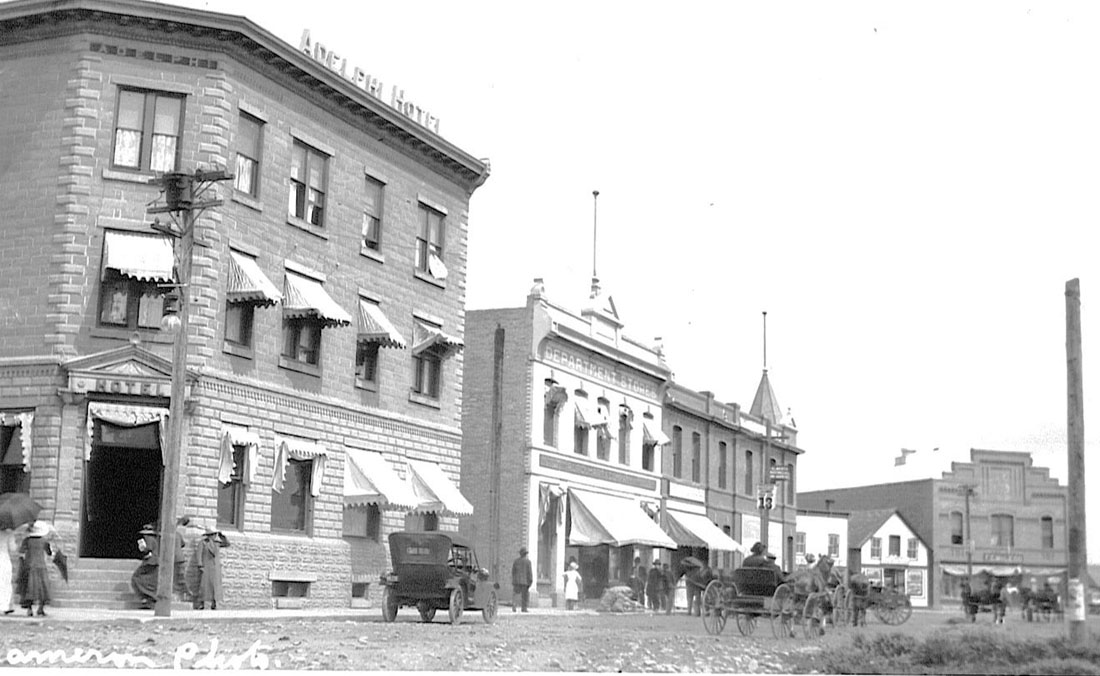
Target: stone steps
x: 98, y: 583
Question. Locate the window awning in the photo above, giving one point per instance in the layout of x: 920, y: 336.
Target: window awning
x: 25, y: 433
x: 375, y: 327
x: 125, y: 415
x: 369, y: 480
x: 696, y: 530
x: 238, y: 436
x: 427, y: 336
x: 434, y: 491
x: 604, y: 519
x: 306, y: 298
x: 586, y: 414
x: 146, y: 258
x: 299, y: 449
x: 248, y: 284
x: 651, y: 434
x: 959, y: 569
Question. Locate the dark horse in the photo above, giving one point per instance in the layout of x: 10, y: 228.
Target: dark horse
x: 993, y: 596
x: 697, y: 575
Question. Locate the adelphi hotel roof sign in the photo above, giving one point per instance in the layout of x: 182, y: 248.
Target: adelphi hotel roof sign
x: 338, y: 64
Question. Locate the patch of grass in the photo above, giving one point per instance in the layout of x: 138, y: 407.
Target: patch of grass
x: 973, y: 651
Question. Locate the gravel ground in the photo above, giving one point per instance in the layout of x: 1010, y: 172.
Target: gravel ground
x: 586, y: 641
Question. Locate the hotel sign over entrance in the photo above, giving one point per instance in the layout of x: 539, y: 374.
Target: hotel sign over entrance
x: 338, y: 64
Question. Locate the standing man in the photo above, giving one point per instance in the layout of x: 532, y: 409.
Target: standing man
x: 639, y: 581
x: 522, y: 577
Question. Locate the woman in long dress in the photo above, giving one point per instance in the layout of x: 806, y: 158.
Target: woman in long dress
x: 144, y: 579
x: 36, y: 551
x: 572, y: 586
x: 209, y: 560
x: 8, y: 551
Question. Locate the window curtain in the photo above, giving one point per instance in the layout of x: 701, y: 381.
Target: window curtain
x: 299, y: 450
x: 238, y: 436
x: 25, y: 423
x: 547, y: 492
x: 126, y: 416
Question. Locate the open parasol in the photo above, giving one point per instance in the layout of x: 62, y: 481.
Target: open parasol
x: 17, y: 509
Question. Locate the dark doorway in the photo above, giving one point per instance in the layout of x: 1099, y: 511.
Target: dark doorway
x: 121, y: 489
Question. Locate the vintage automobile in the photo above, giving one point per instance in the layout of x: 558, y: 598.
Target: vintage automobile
x: 436, y: 570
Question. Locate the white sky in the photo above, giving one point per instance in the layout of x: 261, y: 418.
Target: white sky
x: 905, y: 189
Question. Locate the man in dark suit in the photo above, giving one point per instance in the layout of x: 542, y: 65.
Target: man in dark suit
x: 522, y: 577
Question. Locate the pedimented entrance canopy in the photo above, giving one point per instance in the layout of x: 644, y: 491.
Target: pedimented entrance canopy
x: 130, y: 370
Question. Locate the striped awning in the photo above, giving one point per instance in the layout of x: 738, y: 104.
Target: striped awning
x: 306, y: 298
x: 375, y: 327
x: 146, y: 258
x: 299, y: 449
x: 248, y: 284
x: 427, y: 336
x: 696, y: 530
x: 233, y: 435
x: 434, y: 491
x: 369, y: 480
x: 598, y: 519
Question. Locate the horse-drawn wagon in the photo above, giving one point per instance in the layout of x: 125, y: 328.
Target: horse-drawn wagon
x: 861, y: 595
x: 751, y: 594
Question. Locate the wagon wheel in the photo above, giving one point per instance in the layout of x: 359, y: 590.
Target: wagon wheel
x: 457, y: 604
x: 489, y: 612
x: 746, y: 623
x: 894, y: 608
x: 841, y: 618
x: 813, y: 616
x: 389, y: 605
x: 714, y: 614
x: 782, y: 611
x: 427, y: 612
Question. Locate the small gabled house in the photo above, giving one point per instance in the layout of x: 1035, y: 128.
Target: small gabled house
x: 884, y: 547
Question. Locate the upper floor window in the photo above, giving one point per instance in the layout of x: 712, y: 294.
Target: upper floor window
x: 554, y: 398
x: 626, y: 416
x: 876, y: 548
x: 372, y: 214
x: 246, y: 179
x: 790, y: 484
x: 430, y: 347
x: 912, y: 549
x: 723, y: 468
x: 834, y: 545
x: 749, y: 488
x: 799, y: 542
x: 956, y: 528
x: 429, y: 243
x: 247, y: 287
x: 307, y: 309
x: 308, y: 169
x: 147, y: 130
x: 302, y: 340
x: 231, y: 493
x: 292, y: 507
x: 603, y: 430
x: 134, y: 268
x: 1046, y: 525
x: 1003, y: 531
x: 677, y: 451
x: 375, y: 332
x: 895, y: 545
x: 696, y: 457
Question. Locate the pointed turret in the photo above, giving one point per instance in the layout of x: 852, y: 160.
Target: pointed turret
x: 764, y: 404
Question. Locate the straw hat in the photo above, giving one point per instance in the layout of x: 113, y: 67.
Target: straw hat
x: 39, y: 529
x: 573, y: 565
x: 209, y: 529
x: 148, y: 529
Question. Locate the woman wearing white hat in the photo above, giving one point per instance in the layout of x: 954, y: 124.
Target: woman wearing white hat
x: 35, y: 583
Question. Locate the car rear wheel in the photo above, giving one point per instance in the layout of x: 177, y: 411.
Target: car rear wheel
x: 389, y: 606
x: 489, y: 612
x: 427, y: 612
x: 458, y: 602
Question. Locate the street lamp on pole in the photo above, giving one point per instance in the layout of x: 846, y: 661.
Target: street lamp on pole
x: 182, y: 199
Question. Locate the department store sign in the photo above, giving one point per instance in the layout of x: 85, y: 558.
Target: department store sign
x: 609, y: 374
x: 338, y: 64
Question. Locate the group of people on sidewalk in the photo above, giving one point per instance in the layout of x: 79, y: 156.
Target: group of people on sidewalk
x: 197, y: 565
x: 654, y: 587
x: 25, y: 555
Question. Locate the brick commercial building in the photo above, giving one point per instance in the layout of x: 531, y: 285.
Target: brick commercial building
x: 1014, y: 512
x: 327, y: 292
x: 562, y: 442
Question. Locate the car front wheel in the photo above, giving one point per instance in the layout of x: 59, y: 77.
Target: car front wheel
x: 458, y: 602
x: 489, y: 612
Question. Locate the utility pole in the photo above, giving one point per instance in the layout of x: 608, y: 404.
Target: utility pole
x: 968, y: 492
x: 1076, y: 448
x: 181, y: 196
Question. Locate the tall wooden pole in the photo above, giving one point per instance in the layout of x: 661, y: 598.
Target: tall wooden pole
x: 1076, y: 442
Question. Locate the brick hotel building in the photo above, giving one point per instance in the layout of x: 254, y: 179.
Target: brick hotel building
x: 326, y: 326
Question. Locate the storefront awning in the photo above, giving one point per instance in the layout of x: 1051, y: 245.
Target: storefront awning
x: 248, y: 284
x: 369, y: 480
x: 375, y: 327
x: 306, y: 298
x: 652, y: 434
x: 959, y: 569
x: 426, y: 336
x: 434, y: 491
x: 146, y: 258
x: 696, y: 530
x: 604, y: 519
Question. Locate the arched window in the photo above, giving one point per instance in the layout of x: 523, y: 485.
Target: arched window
x: 956, y: 528
x: 1047, y: 525
x: 677, y: 451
